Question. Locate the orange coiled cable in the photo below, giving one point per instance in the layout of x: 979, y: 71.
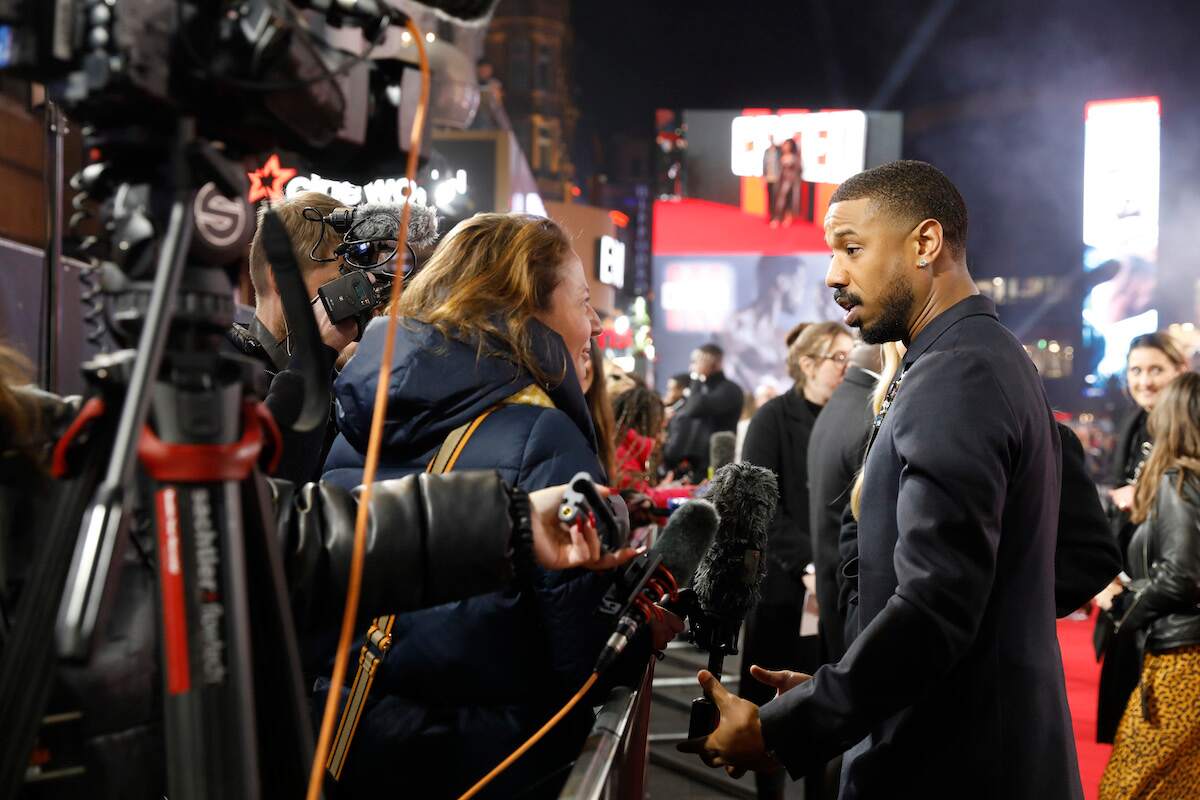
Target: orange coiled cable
x: 354, y: 586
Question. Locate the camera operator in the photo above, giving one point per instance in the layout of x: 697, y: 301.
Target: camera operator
x: 267, y: 338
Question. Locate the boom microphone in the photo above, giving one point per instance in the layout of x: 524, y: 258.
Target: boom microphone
x: 381, y: 221
x: 729, y: 578
x: 679, y: 550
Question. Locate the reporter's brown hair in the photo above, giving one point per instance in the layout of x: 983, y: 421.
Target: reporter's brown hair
x: 487, y: 279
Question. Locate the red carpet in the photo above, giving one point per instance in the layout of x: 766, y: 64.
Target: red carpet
x: 1083, y: 678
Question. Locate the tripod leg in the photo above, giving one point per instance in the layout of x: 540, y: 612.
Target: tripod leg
x: 27, y: 667
x: 281, y: 696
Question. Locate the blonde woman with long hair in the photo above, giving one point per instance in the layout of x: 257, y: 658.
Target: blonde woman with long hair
x: 1157, y: 749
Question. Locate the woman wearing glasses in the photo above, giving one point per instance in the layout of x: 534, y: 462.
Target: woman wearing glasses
x: 778, y: 440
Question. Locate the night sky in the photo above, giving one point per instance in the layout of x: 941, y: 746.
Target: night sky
x: 995, y: 99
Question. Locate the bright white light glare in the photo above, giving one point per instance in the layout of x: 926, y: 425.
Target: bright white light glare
x: 611, y: 267
x: 433, y: 174
x: 460, y: 178
x: 393, y: 94
x: 444, y: 194
x: 649, y: 351
x: 621, y: 325
x: 625, y: 362
x: 1121, y: 174
x: 406, y: 37
x: 833, y: 144
x: 534, y: 204
x: 429, y: 37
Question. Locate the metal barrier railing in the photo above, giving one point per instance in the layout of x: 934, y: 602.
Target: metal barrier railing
x: 612, y: 764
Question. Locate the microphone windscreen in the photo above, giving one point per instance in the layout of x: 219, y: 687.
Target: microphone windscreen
x: 374, y: 221
x: 686, y: 538
x: 729, y: 576
x: 722, y: 446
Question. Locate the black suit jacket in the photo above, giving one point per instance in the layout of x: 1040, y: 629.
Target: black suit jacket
x: 956, y: 677
x: 835, y: 452
x: 1086, y: 556
x: 778, y: 440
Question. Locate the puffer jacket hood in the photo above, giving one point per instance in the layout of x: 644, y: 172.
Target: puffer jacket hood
x: 439, y: 383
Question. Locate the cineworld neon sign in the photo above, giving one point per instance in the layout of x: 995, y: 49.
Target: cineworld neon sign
x: 275, y: 182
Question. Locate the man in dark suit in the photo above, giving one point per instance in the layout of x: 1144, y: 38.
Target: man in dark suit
x: 954, y: 687
x: 835, y: 452
x: 712, y: 403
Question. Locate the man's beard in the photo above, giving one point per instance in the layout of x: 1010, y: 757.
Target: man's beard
x: 896, y: 305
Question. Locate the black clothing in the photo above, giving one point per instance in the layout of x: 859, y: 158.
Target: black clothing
x: 712, y: 405
x: 1086, y: 558
x: 1121, y: 668
x: 957, y: 665
x: 1131, y: 436
x: 1164, y: 603
x: 835, y: 452
x: 778, y: 440
x: 452, y: 539
x: 303, y: 453
x: 1085, y: 555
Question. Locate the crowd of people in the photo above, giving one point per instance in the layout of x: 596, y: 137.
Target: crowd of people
x: 933, y: 518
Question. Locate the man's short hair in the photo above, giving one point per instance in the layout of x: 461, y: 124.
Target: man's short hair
x: 682, y: 378
x: 303, y: 233
x: 712, y: 350
x: 912, y: 191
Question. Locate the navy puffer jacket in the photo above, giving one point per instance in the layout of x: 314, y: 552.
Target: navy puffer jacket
x: 464, y: 684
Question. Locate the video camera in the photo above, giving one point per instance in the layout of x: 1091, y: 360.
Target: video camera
x: 368, y: 255
x: 254, y: 73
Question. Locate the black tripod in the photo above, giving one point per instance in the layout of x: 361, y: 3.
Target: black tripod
x: 171, y: 432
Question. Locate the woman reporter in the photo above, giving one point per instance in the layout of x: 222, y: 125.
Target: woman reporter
x: 492, y: 329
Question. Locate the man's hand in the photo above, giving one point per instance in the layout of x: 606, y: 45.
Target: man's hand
x: 559, y: 546
x: 1105, y: 598
x: 779, y: 680
x: 664, y: 628
x: 335, y: 337
x: 737, y: 743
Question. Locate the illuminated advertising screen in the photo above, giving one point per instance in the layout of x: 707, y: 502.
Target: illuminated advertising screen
x: 1120, y: 226
x: 739, y: 253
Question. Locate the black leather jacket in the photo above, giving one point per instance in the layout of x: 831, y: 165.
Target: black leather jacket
x: 1164, y: 554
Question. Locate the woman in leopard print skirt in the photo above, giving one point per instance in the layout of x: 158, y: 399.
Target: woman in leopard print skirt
x: 1157, y: 749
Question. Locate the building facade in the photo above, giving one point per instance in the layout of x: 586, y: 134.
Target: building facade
x: 529, y: 48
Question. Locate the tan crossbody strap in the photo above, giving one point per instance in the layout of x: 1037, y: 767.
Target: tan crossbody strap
x: 379, y: 636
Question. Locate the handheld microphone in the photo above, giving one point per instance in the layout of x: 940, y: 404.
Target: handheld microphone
x: 582, y: 499
x: 729, y: 578
x: 663, y: 570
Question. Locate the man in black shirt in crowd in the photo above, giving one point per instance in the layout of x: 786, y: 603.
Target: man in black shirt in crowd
x: 713, y: 403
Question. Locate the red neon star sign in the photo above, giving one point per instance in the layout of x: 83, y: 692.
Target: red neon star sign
x: 267, y: 181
